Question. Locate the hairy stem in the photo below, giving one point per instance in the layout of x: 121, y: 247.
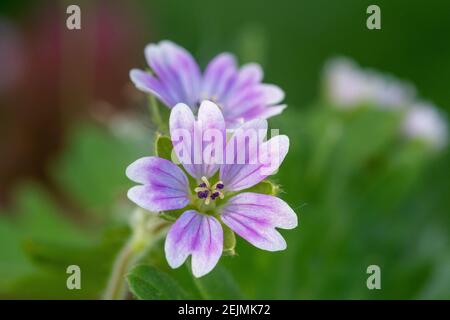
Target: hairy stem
x: 116, y: 285
x: 147, y: 229
x: 155, y: 114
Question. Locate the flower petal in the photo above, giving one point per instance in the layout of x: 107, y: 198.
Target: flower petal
x: 260, y: 161
x: 250, y: 73
x: 249, y: 99
x: 261, y: 112
x: 266, y: 113
x: 198, y: 235
x: 212, y: 126
x: 272, y: 93
x: 242, y: 145
x: 176, y: 70
x: 220, y: 75
x: 165, y: 186
x: 146, y: 82
x: 195, y: 141
x: 254, y: 217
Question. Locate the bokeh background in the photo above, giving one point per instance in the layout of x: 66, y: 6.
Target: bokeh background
x: 71, y: 121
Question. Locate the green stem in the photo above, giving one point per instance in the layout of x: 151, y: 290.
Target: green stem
x: 154, y: 113
x: 147, y: 229
x: 116, y: 285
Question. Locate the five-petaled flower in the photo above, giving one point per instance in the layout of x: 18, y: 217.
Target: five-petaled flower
x: 177, y: 78
x: 214, y: 194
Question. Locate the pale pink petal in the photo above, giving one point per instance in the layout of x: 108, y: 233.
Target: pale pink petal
x: 146, y: 82
x: 250, y: 99
x: 261, y: 162
x: 272, y: 93
x: 242, y: 147
x: 219, y: 76
x: 195, y: 142
x: 254, y: 217
x: 165, y: 186
x: 263, y: 112
x: 198, y: 235
x: 176, y: 70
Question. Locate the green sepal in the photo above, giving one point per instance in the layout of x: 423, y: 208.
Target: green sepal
x: 229, y: 241
x: 265, y: 187
x: 163, y: 147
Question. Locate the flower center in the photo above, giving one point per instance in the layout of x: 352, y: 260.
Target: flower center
x: 209, y: 192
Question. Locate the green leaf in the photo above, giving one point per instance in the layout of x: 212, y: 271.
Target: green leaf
x: 218, y: 284
x: 265, y: 187
x: 13, y: 261
x: 92, y: 167
x: 53, y: 256
x: 147, y: 283
x: 163, y: 147
x: 40, y: 218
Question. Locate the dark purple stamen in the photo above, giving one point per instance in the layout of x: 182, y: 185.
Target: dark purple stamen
x: 202, y: 185
x: 219, y: 186
x: 214, y: 195
x: 202, y: 194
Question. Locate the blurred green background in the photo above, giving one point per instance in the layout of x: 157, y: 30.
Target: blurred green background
x: 70, y: 123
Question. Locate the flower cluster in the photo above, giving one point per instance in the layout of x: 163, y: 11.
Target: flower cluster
x: 348, y: 86
x: 214, y: 191
x: 424, y: 121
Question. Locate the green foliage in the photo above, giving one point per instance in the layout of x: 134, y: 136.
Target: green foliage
x: 92, y: 168
x: 163, y: 147
x: 219, y: 284
x: 366, y: 197
x: 147, y: 283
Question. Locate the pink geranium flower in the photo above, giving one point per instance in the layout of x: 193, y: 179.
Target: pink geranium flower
x: 218, y: 195
x: 176, y: 78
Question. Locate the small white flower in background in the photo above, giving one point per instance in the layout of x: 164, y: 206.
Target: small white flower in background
x: 424, y: 121
x: 388, y: 92
x: 349, y: 86
x: 344, y: 83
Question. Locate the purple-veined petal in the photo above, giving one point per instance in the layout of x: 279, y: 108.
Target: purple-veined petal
x: 146, y: 82
x: 219, y: 76
x: 176, y: 70
x: 186, y: 69
x: 260, y: 161
x: 249, y: 99
x: 272, y: 93
x: 198, y: 144
x: 198, y: 235
x: 263, y: 112
x: 182, y: 125
x: 165, y: 186
x: 245, y: 87
x: 249, y: 74
x: 212, y: 126
x: 254, y: 217
x: 260, y: 95
x: 242, y: 146
x: 244, y: 100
